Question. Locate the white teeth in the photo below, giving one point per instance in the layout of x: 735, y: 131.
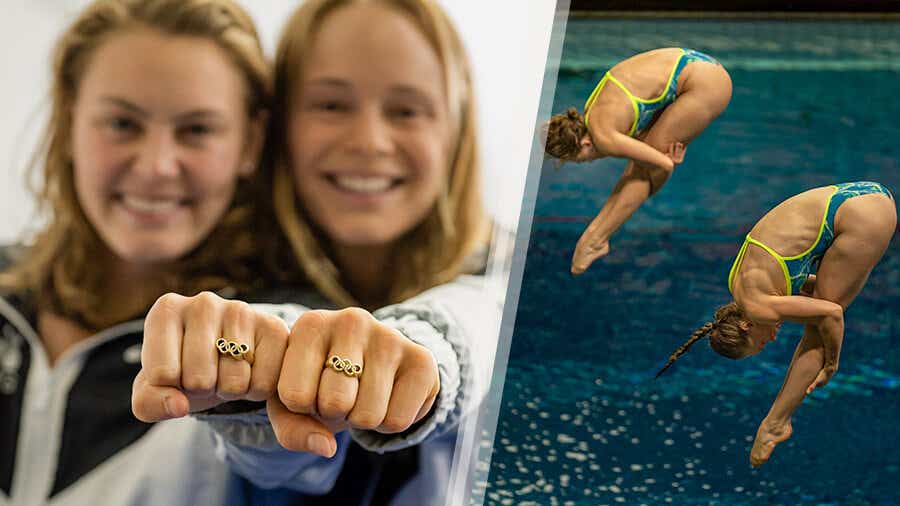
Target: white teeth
x: 363, y: 184
x: 149, y: 205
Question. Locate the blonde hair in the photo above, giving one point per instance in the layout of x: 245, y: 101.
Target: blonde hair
x: 563, y: 134
x: 434, y: 251
x: 60, y: 266
x: 726, y: 336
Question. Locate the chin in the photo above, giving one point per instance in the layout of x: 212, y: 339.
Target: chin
x: 359, y: 237
x: 149, y: 253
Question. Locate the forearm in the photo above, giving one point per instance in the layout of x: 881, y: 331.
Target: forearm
x: 831, y: 329
x: 621, y: 145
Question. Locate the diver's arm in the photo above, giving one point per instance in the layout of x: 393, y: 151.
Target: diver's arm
x: 620, y: 145
x: 809, y: 368
x: 827, y: 316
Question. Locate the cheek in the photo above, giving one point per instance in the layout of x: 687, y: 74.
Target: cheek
x: 430, y: 157
x: 96, y: 165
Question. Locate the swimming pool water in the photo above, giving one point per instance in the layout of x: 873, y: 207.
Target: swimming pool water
x: 582, y: 421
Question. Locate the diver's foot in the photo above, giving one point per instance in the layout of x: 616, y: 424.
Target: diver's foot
x: 768, y: 436
x: 586, y: 254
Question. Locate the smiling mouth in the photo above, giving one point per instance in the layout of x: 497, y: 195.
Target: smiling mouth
x: 151, y: 205
x: 364, y: 184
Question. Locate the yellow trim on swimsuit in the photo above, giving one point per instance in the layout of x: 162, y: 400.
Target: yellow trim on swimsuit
x: 782, y: 260
x: 635, y: 101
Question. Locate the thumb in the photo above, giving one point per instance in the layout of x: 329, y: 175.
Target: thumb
x: 151, y: 403
x: 298, y: 432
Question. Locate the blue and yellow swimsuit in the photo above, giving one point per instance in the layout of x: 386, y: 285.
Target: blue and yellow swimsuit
x: 644, y: 109
x: 798, y: 267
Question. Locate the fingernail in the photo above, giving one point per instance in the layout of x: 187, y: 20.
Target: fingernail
x: 319, y: 444
x: 170, y: 407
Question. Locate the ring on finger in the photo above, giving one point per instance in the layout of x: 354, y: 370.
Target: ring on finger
x: 344, y: 366
x: 234, y: 349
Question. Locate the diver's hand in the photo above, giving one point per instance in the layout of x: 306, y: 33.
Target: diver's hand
x: 675, y: 152
x: 824, y: 376
x: 586, y: 252
x: 809, y: 286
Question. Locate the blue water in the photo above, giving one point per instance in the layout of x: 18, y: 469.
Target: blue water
x: 582, y: 422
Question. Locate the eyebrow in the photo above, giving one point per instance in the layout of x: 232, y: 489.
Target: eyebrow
x: 125, y: 104
x: 329, y: 81
x: 404, y: 89
x: 121, y: 102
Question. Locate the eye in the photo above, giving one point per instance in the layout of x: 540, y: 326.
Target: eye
x: 197, y: 129
x: 407, y: 112
x: 331, y: 106
x: 195, y: 132
x: 122, y: 125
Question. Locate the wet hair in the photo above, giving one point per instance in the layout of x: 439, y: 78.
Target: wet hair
x: 564, y: 133
x: 58, y: 268
x: 726, y: 336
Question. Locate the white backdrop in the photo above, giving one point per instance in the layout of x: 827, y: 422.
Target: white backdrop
x: 507, y: 40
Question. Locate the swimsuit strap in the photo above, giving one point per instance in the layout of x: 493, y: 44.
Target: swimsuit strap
x: 631, y: 98
x: 821, y: 227
x: 740, y: 259
x: 635, y: 101
x: 593, y: 98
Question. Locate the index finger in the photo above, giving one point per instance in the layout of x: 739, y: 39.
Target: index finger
x: 163, y: 333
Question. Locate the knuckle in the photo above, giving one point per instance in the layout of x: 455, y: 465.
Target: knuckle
x: 354, y: 314
x: 207, y: 297
x: 169, y: 302
x: 198, y: 382
x: 233, y: 384
x: 350, y: 320
x: 163, y: 375
x: 310, y: 325
x: 297, y: 400
x: 204, y: 303
x: 335, y: 405
x: 289, y: 439
x: 366, y: 419
x: 384, y: 355
x: 396, y: 422
x: 273, y: 328
x: 238, y: 310
x: 419, y: 360
x: 261, y: 389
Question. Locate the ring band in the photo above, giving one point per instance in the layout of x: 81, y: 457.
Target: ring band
x: 344, y: 366
x: 234, y: 349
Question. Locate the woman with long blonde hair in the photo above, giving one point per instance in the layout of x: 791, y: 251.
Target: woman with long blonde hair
x: 156, y: 122
x: 371, y: 161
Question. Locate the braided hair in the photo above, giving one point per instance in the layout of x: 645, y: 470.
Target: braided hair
x: 564, y: 133
x: 726, y: 336
x: 696, y: 336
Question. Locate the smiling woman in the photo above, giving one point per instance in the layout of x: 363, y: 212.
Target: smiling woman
x: 157, y: 112
x: 159, y: 141
x: 372, y: 156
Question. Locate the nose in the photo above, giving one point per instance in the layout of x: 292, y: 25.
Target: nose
x: 158, y: 154
x: 370, y: 133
